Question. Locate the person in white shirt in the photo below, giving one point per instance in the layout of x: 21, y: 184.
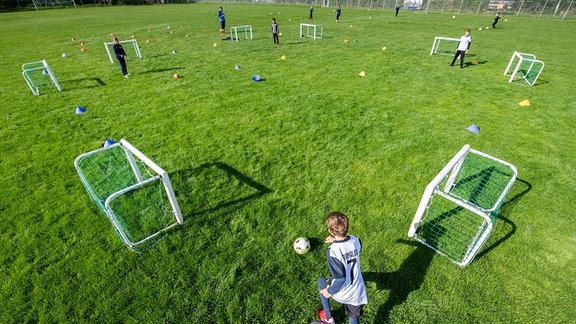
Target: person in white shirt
x: 463, y: 47
x: 345, y: 284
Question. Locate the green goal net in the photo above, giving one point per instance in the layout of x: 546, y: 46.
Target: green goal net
x: 39, y: 77
x: 459, y: 207
x: 132, y: 191
x: 524, y: 67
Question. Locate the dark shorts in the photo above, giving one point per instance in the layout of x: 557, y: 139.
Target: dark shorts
x: 223, y: 25
x: 354, y: 311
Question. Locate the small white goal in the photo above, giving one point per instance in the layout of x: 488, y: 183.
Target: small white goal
x: 444, y: 46
x: 130, y: 47
x: 309, y: 30
x: 39, y: 76
x: 526, y: 67
x: 247, y: 29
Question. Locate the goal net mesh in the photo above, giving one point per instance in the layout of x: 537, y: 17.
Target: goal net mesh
x: 139, y: 209
x: 464, y: 206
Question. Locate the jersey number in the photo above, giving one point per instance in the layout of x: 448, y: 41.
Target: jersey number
x: 353, y: 261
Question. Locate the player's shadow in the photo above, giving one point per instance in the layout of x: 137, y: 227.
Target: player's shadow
x: 213, y: 187
x: 83, y: 83
x: 402, y: 282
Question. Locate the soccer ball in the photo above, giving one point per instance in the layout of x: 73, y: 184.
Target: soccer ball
x: 64, y: 55
x: 301, y: 245
x: 453, y: 17
x: 176, y: 76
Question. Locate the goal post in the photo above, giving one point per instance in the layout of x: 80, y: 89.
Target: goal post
x: 247, y: 29
x: 39, y: 76
x: 524, y: 66
x: 444, y: 46
x: 459, y: 207
x: 132, y: 191
x: 130, y: 47
x: 309, y: 30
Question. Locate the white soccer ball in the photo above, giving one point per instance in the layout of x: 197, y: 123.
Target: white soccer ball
x: 453, y: 17
x: 479, y: 28
x: 301, y: 245
x: 64, y: 55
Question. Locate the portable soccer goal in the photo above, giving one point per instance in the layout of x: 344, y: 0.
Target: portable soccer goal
x: 308, y: 30
x: 525, y: 67
x: 460, y: 205
x: 132, y: 191
x: 130, y: 47
x: 444, y: 46
x: 247, y: 30
x: 39, y: 76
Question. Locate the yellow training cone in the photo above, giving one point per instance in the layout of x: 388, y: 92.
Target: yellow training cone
x: 524, y: 103
x: 279, y: 34
x: 346, y: 41
x: 362, y: 74
x: 215, y: 44
x: 283, y: 57
x: 384, y: 48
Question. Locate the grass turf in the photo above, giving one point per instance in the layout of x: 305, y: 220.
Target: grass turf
x: 255, y: 165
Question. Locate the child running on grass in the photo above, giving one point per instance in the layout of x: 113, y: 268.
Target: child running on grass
x: 345, y: 284
x: 463, y: 47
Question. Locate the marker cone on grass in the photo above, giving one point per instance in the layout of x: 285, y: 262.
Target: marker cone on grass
x: 524, y: 103
x: 80, y: 110
x: 473, y: 128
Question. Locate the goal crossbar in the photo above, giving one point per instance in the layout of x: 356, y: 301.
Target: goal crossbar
x: 110, y: 51
x: 247, y: 29
x: 33, y: 70
x: 458, y: 209
x: 129, y: 188
x: 525, y: 63
x: 438, y: 41
x: 314, y: 31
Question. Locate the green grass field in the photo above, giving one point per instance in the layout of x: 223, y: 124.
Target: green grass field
x: 257, y: 164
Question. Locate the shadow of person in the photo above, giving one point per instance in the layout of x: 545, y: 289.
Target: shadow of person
x: 402, y: 282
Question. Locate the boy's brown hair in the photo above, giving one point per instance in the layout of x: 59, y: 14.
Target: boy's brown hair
x: 337, y: 224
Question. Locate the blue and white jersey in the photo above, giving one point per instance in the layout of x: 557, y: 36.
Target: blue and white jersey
x: 344, y: 263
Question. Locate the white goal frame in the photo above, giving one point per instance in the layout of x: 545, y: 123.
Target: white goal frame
x: 110, y: 51
x: 434, y: 191
x: 36, y: 67
x: 436, y: 44
x: 247, y: 32
x: 314, y: 28
x: 161, y: 175
x: 523, y: 57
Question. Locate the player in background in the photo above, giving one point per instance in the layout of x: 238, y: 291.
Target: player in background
x: 495, y: 20
x: 345, y: 284
x: 338, y: 12
x: 222, y: 20
x: 119, y: 52
x: 463, y: 47
x: 311, y: 13
x: 275, y: 32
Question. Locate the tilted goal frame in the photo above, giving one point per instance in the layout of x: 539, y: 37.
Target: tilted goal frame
x: 110, y: 51
x: 436, y: 45
x: 527, y: 64
x: 32, y: 70
x: 458, y: 210
x: 124, y: 183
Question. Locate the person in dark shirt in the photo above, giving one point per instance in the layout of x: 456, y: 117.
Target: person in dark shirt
x: 311, y: 13
x: 338, y: 12
x: 397, y: 9
x: 495, y: 20
x: 222, y: 20
x: 120, y: 54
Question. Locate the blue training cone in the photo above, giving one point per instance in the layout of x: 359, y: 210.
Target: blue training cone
x: 256, y: 78
x: 473, y: 128
x: 108, y: 142
x: 45, y: 72
x: 174, y: 52
x: 237, y: 67
x: 80, y: 110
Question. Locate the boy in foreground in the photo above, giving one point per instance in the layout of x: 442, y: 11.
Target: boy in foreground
x: 119, y: 52
x: 345, y: 284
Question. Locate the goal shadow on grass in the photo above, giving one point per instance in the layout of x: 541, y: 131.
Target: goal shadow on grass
x: 83, y: 83
x: 212, y: 187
